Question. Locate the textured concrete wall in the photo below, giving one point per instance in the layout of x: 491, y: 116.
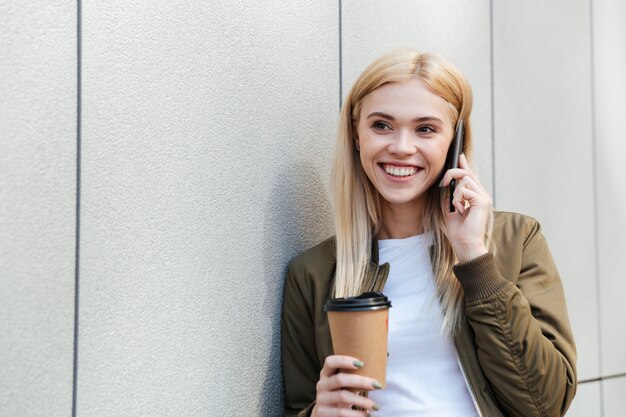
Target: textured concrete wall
x: 37, y: 207
x: 206, y: 136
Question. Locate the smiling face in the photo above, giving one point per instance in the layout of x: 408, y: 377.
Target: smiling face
x: 404, y: 132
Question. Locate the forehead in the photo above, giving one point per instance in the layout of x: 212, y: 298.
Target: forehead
x: 406, y: 100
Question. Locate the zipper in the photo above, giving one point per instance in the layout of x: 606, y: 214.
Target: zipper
x: 469, y: 387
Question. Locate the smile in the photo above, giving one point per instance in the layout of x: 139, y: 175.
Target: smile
x: 399, y: 171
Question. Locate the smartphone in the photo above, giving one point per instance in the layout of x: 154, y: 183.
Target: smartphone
x: 455, y: 153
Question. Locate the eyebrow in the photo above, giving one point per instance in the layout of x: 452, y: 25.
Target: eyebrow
x: 417, y: 119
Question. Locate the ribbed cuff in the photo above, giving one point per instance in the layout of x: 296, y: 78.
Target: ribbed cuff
x: 479, y: 277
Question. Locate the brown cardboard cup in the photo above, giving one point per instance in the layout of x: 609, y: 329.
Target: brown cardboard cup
x: 358, y: 328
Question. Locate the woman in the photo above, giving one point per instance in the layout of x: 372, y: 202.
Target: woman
x: 479, y: 325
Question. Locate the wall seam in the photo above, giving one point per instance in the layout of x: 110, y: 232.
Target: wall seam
x: 595, y: 197
x: 493, y: 121
x: 78, y: 164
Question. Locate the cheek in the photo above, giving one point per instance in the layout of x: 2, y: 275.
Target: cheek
x: 366, y: 157
x: 368, y: 148
x: 437, y: 155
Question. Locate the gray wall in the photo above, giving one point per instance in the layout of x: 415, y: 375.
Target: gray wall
x: 37, y: 207
x: 205, y: 142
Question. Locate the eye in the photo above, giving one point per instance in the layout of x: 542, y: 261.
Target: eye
x: 380, y: 125
x: 426, y: 129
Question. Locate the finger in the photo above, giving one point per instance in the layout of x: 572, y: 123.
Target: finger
x: 463, y: 170
x: 469, y: 183
x: 457, y: 197
x: 468, y: 199
x: 446, y: 201
x: 473, y: 193
x: 472, y: 183
x: 456, y: 173
x: 463, y: 194
x: 345, y: 398
x: 463, y: 162
x: 469, y: 195
x: 351, y: 381
x: 459, y: 206
x: 334, y: 362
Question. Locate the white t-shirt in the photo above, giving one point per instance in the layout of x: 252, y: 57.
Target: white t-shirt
x: 423, y: 374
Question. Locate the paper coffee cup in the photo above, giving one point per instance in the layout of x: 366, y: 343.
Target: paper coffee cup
x: 358, y: 328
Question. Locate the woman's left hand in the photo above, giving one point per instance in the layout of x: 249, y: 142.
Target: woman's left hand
x: 467, y: 225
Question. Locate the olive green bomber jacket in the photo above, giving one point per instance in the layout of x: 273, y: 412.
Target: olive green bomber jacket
x: 515, y: 346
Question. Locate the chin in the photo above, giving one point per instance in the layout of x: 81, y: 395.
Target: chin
x: 401, y: 200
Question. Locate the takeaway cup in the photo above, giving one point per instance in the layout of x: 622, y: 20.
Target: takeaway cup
x: 358, y: 328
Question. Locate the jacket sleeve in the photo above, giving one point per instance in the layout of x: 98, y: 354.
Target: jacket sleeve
x: 299, y: 356
x: 522, y: 332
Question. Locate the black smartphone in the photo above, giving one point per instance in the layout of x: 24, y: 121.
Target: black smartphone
x: 455, y: 153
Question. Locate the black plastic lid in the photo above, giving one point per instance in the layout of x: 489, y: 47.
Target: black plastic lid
x: 365, y: 302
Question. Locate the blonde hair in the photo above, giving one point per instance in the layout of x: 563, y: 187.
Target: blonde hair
x: 356, y: 201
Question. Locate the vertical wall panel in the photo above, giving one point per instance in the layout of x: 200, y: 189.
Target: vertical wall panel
x: 614, y: 399
x: 543, y: 142
x: 609, y: 35
x: 207, y: 138
x: 587, y: 402
x: 457, y: 30
x: 37, y: 207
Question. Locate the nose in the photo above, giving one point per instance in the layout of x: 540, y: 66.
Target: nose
x: 403, y: 143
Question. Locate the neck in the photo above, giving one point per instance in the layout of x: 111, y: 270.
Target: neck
x: 400, y: 221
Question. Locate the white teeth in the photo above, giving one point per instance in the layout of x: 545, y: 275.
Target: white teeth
x: 399, y: 172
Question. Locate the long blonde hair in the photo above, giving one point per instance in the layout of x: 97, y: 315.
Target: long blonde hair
x: 356, y: 201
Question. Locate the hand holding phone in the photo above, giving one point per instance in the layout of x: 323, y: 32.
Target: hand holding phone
x: 466, y: 233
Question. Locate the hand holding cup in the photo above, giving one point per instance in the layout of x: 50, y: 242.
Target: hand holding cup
x: 358, y: 328
x: 337, y: 390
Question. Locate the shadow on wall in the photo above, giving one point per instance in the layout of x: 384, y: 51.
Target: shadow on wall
x: 299, y: 216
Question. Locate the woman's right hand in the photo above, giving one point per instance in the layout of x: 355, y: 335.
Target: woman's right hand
x: 334, y: 397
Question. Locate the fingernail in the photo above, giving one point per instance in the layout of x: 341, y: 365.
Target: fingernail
x: 358, y: 364
x: 377, y: 385
x: 441, y: 183
x: 375, y: 407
